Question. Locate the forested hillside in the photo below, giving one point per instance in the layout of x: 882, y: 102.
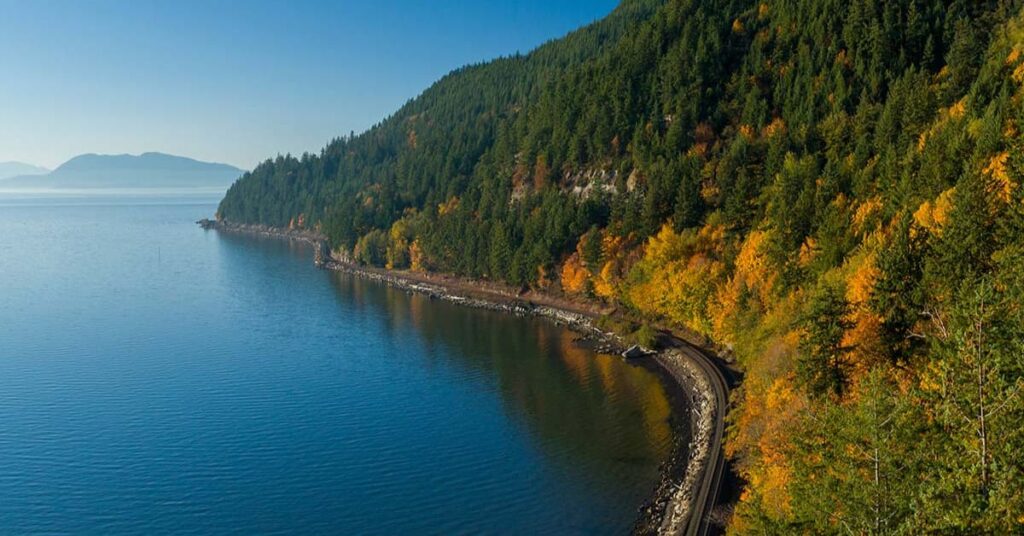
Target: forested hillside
x: 832, y: 189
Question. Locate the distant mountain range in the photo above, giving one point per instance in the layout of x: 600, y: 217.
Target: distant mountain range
x: 148, y: 170
x: 14, y: 169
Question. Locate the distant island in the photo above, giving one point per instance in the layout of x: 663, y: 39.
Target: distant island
x: 148, y: 170
x: 15, y: 169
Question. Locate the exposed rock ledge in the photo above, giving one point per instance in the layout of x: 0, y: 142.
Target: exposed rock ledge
x: 668, y: 512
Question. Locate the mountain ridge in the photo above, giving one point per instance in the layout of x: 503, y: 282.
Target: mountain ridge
x: 145, y: 170
x: 15, y: 169
x: 832, y: 191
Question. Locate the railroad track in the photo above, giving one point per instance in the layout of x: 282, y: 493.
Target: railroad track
x: 706, y: 495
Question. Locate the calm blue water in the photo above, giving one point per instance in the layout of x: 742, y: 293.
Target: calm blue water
x: 158, y: 378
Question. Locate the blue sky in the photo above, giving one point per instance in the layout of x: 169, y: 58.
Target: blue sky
x: 239, y: 81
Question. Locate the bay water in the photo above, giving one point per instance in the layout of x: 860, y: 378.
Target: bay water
x: 158, y: 378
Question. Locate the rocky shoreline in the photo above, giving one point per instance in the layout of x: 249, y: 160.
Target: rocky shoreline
x: 310, y: 237
x: 678, y: 499
x: 668, y: 511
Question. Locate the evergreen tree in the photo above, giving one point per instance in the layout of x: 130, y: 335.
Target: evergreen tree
x: 976, y: 389
x: 501, y: 253
x: 898, y: 295
x: 822, y: 366
x: 857, y: 462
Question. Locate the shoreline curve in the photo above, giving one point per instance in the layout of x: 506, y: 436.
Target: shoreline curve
x: 689, y: 488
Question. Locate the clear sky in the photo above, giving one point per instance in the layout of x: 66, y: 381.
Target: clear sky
x: 238, y: 81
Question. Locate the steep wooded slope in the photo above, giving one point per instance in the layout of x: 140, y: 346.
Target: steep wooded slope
x: 831, y: 188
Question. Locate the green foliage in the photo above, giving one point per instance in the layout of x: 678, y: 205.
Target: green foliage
x: 665, y: 110
x: 856, y: 464
x: 964, y: 250
x: 372, y: 248
x: 976, y: 390
x: 898, y: 297
x: 854, y: 170
x: 645, y: 336
x: 592, y: 249
x: 610, y: 324
x: 501, y: 252
x: 822, y: 366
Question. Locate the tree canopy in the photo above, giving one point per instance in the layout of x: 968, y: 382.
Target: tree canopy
x: 831, y: 189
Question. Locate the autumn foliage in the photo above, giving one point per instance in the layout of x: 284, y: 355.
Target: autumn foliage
x: 829, y: 192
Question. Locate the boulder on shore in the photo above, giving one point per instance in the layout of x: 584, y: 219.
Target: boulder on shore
x: 634, y: 352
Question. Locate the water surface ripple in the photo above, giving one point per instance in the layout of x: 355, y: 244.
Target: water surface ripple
x: 156, y: 378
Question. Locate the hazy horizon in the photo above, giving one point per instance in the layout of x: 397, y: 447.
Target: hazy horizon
x: 218, y: 83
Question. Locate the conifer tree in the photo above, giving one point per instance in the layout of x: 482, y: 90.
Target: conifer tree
x: 822, y: 366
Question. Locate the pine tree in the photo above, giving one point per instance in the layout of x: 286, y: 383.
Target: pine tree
x: 898, y: 296
x: 856, y: 464
x: 975, y: 387
x: 822, y: 366
x: 501, y: 254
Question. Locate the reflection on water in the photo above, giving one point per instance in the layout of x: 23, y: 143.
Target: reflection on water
x: 591, y: 412
x: 156, y: 378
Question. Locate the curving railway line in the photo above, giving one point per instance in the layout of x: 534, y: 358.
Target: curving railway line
x: 706, y: 495
x: 688, y: 511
